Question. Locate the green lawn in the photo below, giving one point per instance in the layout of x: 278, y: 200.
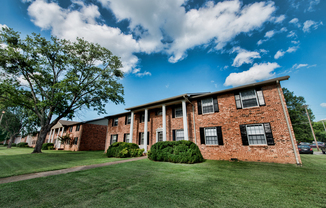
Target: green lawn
x: 145, y: 183
x: 18, y: 161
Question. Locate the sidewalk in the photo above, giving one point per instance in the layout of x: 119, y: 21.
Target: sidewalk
x: 63, y: 171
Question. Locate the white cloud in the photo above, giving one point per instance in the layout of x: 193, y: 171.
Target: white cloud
x: 312, y: 3
x: 244, y: 56
x: 167, y: 20
x: 255, y: 73
x: 279, y: 19
x: 295, y: 42
x: 297, y: 66
x: 310, y: 24
x: 260, y: 42
x: 136, y: 70
x: 146, y: 73
x: 279, y: 54
x: 323, y: 105
x: 154, y: 25
x: 295, y: 21
x: 269, y: 34
x: 69, y: 24
x: 292, y: 35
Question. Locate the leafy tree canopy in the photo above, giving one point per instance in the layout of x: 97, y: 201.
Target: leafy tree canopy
x: 300, y: 123
x: 56, y: 77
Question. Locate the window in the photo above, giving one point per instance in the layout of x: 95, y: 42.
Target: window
x: 142, y: 117
x: 114, y: 138
x: 177, y: 135
x: 207, y: 105
x: 142, y: 138
x: 70, y: 129
x: 160, y: 136
x: 249, y: 98
x: 128, y: 119
x: 178, y: 112
x: 127, y: 138
x: 75, y: 140
x: 159, y: 112
x: 115, y: 122
x: 257, y: 134
x: 211, y: 135
x: 77, y: 127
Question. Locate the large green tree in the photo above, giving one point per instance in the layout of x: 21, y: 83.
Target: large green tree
x: 57, y: 77
x: 299, y: 119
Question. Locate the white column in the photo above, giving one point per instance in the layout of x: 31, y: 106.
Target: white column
x: 131, y: 126
x: 145, y: 130
x: 184, y: 116
x: 164, y: 122
x: 59, y: 142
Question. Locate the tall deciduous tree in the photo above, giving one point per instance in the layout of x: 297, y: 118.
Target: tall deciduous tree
x: 57, y: 77
x: 298, y: 116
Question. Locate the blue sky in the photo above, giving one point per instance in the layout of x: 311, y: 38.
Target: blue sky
x: 172, y: 47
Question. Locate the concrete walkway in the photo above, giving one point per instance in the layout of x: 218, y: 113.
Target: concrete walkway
x: 63, y: 171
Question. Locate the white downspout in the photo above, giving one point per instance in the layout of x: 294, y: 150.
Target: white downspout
x: 287, y: 122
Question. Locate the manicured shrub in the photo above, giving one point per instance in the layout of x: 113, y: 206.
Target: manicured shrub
x: 22, y: 144
x: 177, y: 152
x: 47, y: 146
x: 13, y: 144
x: 123, y: 149
x: 5, y: 144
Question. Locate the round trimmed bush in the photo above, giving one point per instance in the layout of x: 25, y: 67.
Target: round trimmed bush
x: 22, y: 144
x: 47, y: 146
x: 124, y: 149
x: 176, y: 151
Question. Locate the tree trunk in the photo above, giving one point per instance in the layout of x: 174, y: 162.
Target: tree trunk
x: 41, y: 138
x: 10, y: 141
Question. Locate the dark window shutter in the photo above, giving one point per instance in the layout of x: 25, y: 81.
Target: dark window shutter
x: 199, y: 107
x: 111, y: 140
x: 244, y: 136
x: 173, y: 112
x: 268, y: 133
x: 124, y: 138
x: 237, y: 100
x: 147, y: 138
x: 260, y: 96
x: 112, y: 121
x: 173, y: 135
x: 117, y: 138
x: 140, y: 116
x: 126, y: 119
x: 215, y: 104
x: 148, y: 117
x: 219, y: 135
x: 139, y: 138
x: 202, y: 136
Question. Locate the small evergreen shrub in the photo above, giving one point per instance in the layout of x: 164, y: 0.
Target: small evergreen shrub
x: 123, y: 149
x: 47, y: 146
x: 5, y: 144
x: 22, y: 144
x: 176, y: 151
x: 13, y: 144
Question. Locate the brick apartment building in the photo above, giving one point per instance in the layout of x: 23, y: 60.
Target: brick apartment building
x: 248, y: 123
x: 88, y: 135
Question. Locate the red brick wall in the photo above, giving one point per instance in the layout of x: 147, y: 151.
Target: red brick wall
x: 93, y: 137
x: 229, y: 118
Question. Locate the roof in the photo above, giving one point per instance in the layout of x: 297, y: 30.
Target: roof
x: 170, y: 100
x: 176, y: 99
x: 267, y: 82
x: 68, y: 123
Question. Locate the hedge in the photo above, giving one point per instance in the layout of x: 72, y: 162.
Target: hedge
x: 47, y: 146
x: 176, y: 151
x: 124, y: 149
x: 13, y: 144
x: 22, y: 144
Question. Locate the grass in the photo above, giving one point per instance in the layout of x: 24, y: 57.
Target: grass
x: 145, y: 183
x: 18, y: 161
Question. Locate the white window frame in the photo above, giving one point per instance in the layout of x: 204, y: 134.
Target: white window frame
x: 128, y: 119
x: 116, y: 138
x: 127, y: 139
x: 159, y: 112
x: 115, y: 120
x: 142, y: 138
x: 262, y: 126
x: 255, y: 96
x: 160, y: 130
x: 206, y: 136
x: 202, y: 105
x: 176, y: 138
x: 175, y: 112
